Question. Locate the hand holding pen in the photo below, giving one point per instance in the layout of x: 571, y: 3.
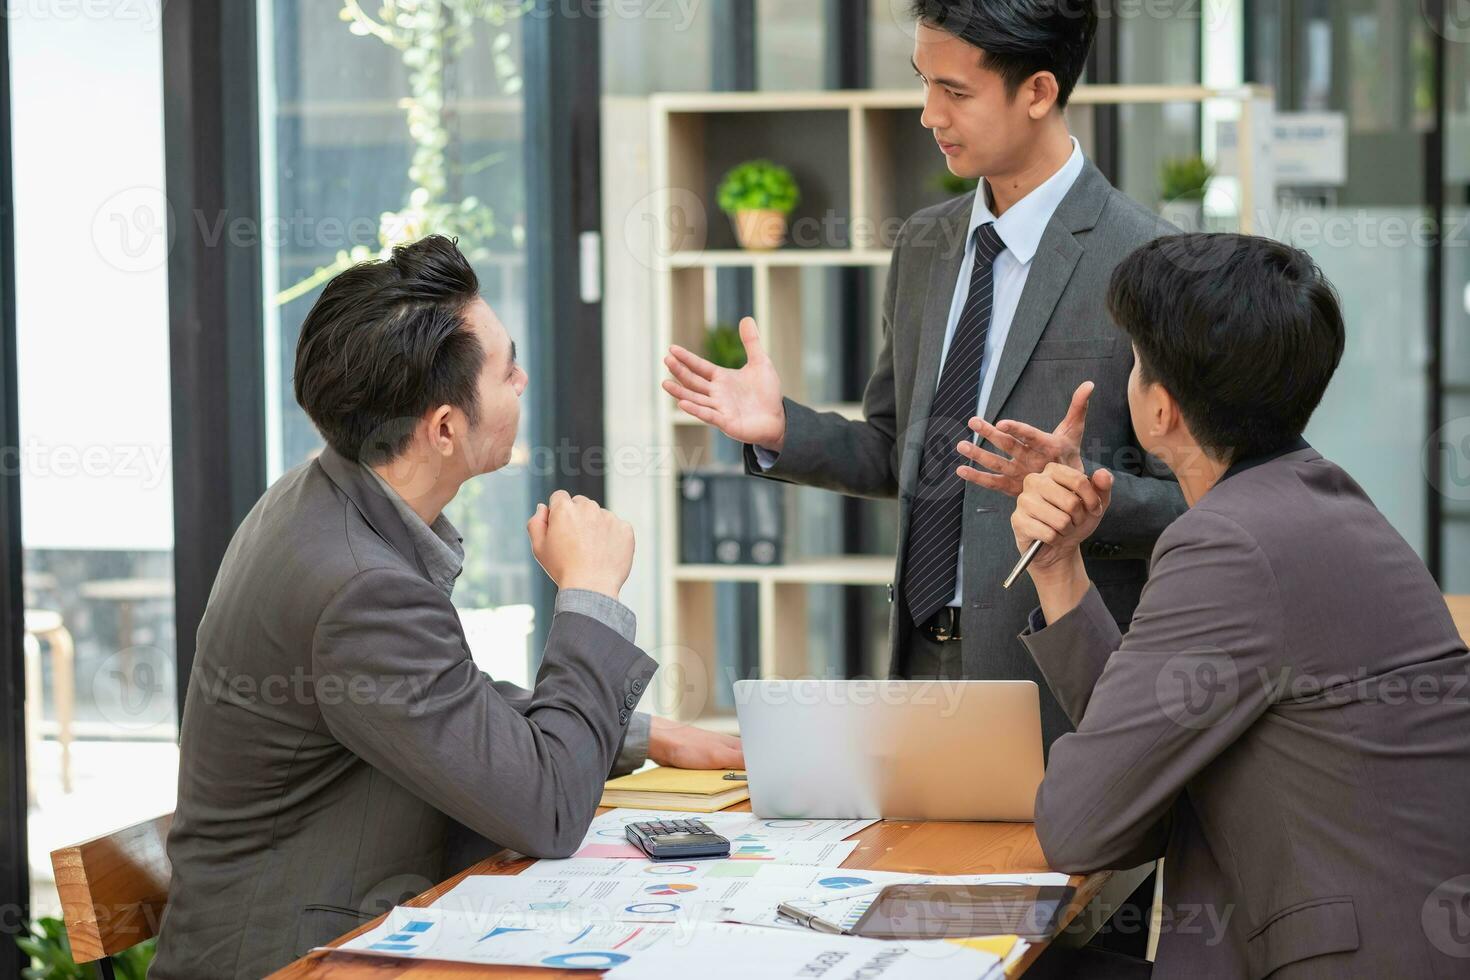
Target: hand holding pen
x: 1022, y: 453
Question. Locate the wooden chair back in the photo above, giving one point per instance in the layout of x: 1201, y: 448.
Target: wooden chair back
x: 113, y: 888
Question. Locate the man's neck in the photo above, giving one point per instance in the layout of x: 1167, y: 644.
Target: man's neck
x: 1050, y: 154
x: 427, y: 499
x: 1198, y: 472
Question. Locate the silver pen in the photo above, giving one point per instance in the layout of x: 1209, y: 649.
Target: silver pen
x: 809, y: 920
x: 1021, y: 565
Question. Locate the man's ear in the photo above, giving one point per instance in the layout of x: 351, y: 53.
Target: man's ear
x: 1169, y: 418
x: 1041, y: 93
x: 1160, y: 412
x: 442, y: 431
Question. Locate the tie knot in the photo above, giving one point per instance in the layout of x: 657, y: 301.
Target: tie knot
x: 988, y: 242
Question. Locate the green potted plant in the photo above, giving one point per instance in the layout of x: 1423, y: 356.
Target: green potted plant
x: 1183, y: 181
x: 724, y: 348
x: 50, y: 953
x: 758, y: 196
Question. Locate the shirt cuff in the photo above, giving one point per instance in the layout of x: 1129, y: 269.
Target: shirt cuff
x: 594, y: 605
x: 765, y: 457
x: 1035, y: 623
x: 635, y: 746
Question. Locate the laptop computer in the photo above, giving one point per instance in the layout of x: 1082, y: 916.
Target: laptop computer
x: 920, y: 750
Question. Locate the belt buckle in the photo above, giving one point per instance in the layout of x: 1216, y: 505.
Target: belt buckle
x: 945, y: 630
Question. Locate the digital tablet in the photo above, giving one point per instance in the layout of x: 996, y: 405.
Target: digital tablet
x: 964, y: 911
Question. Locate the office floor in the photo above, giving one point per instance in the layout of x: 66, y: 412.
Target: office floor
x: 114, y: 783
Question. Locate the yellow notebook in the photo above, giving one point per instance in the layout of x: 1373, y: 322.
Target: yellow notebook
x: 1008, y: 948
x: 694, y: 790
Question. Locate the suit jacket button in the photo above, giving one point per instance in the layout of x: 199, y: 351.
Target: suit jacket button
x: 637, y: 685
x: 622, y: 717
x: 631, y: 701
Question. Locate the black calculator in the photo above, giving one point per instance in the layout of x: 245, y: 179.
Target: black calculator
x: 676, y: 840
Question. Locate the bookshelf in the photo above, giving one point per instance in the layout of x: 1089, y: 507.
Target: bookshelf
x: 864, y: 163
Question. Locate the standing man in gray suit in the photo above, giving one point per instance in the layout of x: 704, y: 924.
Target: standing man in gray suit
x: 994, y: 310
x: 1287, y: 721
x: 337, y: 736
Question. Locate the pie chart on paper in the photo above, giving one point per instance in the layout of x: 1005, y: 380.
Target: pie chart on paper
x: 671, y: 888
x: 586, y: 961
x: 842, y: 883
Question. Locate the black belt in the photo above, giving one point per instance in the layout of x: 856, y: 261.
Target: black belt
x: 943, y: 626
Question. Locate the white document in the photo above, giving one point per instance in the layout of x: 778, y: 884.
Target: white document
x: 440, y: 934
x: 569, y: 901
x: 712, y: 955
x: 582, y: 891
x: 714, y: 951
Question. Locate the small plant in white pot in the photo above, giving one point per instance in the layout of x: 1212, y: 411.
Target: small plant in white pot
x: 1183, y: 181
x: 758, y: 196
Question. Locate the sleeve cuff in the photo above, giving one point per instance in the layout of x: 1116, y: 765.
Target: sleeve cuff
x: 635, y: 746
x: 1073, y: 651
x: 1035, y: 623
x: 595, y: 605
x: 764, y: 457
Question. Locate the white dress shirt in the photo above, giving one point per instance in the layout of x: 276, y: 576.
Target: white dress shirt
x: 1021, y: 228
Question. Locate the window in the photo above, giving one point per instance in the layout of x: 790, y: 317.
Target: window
x: 379, y: 131
x: 95, y: 452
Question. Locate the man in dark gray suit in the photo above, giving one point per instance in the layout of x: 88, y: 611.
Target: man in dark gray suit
x: 994, y: 309
x: 337, y: 736
x: 1287, y: 721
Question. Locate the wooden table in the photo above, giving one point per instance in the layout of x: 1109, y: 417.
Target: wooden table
x: 919, y: 848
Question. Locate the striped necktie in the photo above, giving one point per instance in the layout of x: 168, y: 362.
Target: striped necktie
x: 933, y: 566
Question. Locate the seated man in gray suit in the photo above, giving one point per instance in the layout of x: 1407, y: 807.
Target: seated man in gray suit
x: 1287, y: 720
x: 337, y: 735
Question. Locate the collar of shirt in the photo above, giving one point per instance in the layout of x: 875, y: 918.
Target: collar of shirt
x: 1022, y: 226
x: 440, y: 545
x: 1241, y: 465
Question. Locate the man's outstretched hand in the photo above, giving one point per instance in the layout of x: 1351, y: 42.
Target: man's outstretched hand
x: 745, y: 404
x: 1027, y: 449
x: 686, y: 747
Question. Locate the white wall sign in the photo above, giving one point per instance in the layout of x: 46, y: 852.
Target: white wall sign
x: 1311, y: 148
x: 1307, y: 148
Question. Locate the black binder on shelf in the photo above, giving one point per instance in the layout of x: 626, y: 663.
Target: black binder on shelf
x: 728, y: 518
x: 763, y: 527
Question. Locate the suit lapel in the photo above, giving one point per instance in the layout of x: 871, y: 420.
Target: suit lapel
x: 1051, y: 270
x: 944, y: 271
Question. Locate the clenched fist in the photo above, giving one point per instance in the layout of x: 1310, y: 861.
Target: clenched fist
x: 1061, y: 506
x: 580, y: 545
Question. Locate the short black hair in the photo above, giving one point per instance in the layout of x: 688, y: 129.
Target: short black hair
x: 1246, y: 342
x: 385, y: 342
x: 1021, y: 37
